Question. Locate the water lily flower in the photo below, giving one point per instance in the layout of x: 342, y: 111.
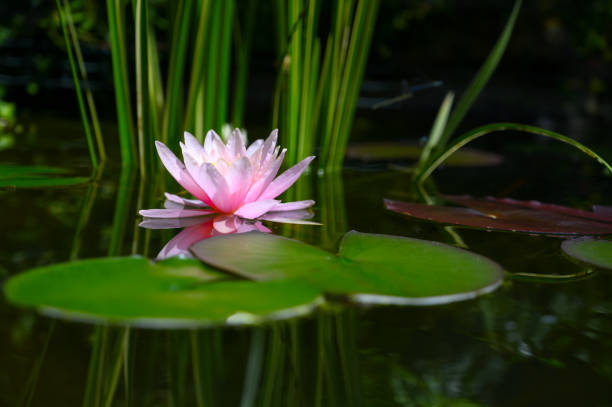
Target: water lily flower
x: 229, y: 178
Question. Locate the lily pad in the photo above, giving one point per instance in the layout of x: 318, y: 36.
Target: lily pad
x: 589, y: 250
x: 36, y: 176
x: 385, y: 151
x: 369, y: 268
x: 172, y: 293
x: 509, y: 215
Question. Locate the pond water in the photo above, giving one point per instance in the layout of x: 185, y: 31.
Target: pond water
x: 532, y: 342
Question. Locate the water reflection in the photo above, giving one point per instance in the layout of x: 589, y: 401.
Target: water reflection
x: 203, y: 227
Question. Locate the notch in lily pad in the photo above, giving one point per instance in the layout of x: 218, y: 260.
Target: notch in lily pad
x: 510, y: 215
x: 175, y: 293
x: 369, y: 268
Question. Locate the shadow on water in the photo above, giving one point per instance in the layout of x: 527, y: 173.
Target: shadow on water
x: 529, y: 343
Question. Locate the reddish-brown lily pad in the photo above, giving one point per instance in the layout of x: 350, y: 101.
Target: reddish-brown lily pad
x: 509, y: 215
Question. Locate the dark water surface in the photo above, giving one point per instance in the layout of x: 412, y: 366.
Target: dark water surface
x: 529, y: 343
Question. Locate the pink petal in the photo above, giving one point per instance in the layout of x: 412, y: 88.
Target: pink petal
x: 180, y: 243
x: 262, y: 183
x: 214, y: 183
x: 286, y: 179
x: 173, y: 213
x: 177, y: 169
x: 226, y: 224
x: 256, y: 209
x: 214, y: 147
x: 171, y: 223
x: 235, y: 144
x: 293, y: 206
x: 254, y: 147
x: 268, y: 147
x: 295, y: 217
x: 185, y: 202
x: 239, y: 177
x: 193, y: 144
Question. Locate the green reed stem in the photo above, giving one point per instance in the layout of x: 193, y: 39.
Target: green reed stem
x: 335, y: 55
x: 437, y: 130
x: 171, y: 129
x: 77, y: 85
x: 212, y: 70
x: 242, y: 41
x: 155, y: 92
x: 254, y: 368
x: 480, y: 80
x: 295, y: 78
x: 307, y: 97
x: 224, y: 57
x: 84, y: 214
x: 361, y: 39
x: 32, y: 382
x: 93, y: 112
x: 498, y: 127
x: 116, y: 28
x: 116, y: 369
x: 142, y: 84
x: 197, y: 68
x: 195, y: 362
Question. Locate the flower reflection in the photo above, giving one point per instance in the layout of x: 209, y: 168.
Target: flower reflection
x: 203, y: 227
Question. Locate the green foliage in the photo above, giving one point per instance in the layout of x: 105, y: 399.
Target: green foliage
x: 368, y: 268
x: 423, y: 173
x: 173, y: 293
x: 318, y: 84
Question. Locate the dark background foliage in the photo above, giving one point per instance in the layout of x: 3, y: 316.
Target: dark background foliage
x: 555, y: 72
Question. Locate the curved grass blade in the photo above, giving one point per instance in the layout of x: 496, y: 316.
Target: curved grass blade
x: 437, y: 130
x: 495, y: 127
x: 481, y: 78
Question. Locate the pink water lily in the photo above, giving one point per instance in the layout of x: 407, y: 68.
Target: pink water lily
x: 229, y: 178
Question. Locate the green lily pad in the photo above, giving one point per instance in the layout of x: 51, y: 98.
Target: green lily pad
x: 173, y: 293
x: 589, y: 250
x: 36, y: 176
x: 368, y: 268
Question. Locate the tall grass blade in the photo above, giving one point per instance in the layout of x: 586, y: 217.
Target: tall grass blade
x: 254, y: 368
x: 361, y: 39
x: 171, y: 127
x: 481, y: 78
x: 497, y: 127
x: 436, y: 130
x: 223, y: 63
x: 143, y: 102
x: 116, y: 28
x: 197, y: 67
x: 77, y: 85
x: 88, y: 94
x: 242, y: 41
